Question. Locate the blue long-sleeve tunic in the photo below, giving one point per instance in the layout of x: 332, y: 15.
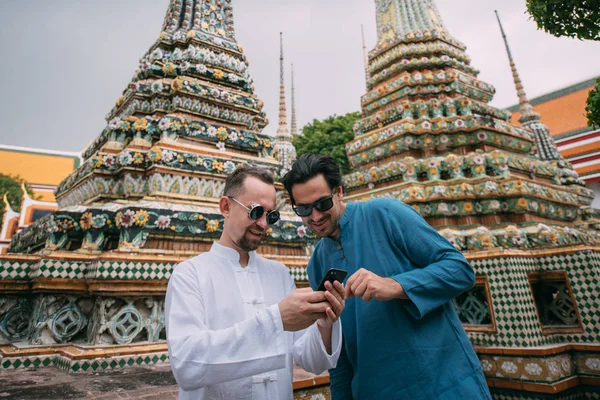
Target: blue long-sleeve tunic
x: 400, y: 349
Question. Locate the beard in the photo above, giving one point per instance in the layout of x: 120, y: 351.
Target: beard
x: 247, y: 244
x: 320, y: 231
x: 325, y: 231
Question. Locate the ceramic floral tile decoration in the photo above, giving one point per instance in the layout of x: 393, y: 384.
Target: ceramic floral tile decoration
x: 94, y: 273
x: 500, y: 193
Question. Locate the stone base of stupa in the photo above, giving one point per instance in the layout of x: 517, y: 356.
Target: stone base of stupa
x: 565, y: 369
x: 525, y: 350
x: 81, y: 311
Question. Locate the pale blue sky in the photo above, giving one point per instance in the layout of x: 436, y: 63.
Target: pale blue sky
x: 65, y: 62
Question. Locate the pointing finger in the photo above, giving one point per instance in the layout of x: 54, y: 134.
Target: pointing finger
x: 349, y: 284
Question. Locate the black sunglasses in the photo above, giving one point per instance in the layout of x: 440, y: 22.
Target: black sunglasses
x: 321, y: 205
x: 256, y: 211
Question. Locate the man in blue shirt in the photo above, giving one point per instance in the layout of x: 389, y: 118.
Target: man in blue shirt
x: 402, y: 337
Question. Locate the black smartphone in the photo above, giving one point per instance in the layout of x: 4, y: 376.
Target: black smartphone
x: 333, y: 275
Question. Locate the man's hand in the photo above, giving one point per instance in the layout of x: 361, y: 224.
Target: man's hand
x: 335, y: 295
x: 302, y: 308
x: 369, y: 286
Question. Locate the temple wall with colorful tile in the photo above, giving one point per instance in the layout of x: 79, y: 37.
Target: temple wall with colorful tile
x: 83, y: 288
x: 563, y: 111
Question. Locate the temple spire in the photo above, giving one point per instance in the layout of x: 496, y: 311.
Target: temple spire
x: 215, y: 17
x: 365, y: 56
x: 282, y: 128
x: 294, y: 125
x: 397, y: 18
x: 527, y: 111
x: 529, y: 117
x: 284, y: 149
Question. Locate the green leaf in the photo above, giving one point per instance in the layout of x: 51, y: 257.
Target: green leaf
x: 593, y: 106
x: 11, y: 186
x: 570, y: 18
x: 182, y: 216
x: 328, y: 136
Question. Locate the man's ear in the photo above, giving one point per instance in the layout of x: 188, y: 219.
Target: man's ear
x: 225, y: 206
x: 339, y: 193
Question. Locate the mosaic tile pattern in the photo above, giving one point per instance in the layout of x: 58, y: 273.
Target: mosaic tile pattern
x: 28, y: 362
x: 130, y: 270
x: 89, y: 365
x: 110, y: 270
x: 137, y: 125
x: 299, y: 274
x: 514, y: 306
x: 99, y: 270
x: 583, y: 269
x: 512, y: 303
x: 64, y: 269
x: 576, y: 394
x: 587, y: 364
x: 15, y: 270
x: 111, y: 363
x: 529, y: 369
x: 404, y: 112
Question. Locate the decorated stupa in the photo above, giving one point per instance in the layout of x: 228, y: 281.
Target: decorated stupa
x: 284, y: 151
x: 83, y: 288
x: 500, y: 193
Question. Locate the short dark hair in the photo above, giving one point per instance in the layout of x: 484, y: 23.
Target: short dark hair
x: 310, y: 165
x: 235, y: 180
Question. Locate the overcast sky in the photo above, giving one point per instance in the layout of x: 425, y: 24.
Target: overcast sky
x: 65, y: 62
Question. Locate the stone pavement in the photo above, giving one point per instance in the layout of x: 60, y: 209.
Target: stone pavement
x: 147, y: 383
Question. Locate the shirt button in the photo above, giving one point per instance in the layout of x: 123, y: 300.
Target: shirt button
x: 265, y: 379
x: 343, y: 257
x: 339, y: 248
x: 254, y: 301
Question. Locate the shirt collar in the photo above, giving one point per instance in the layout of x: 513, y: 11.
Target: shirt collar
x: 230, y: 254
x: 347, y: 215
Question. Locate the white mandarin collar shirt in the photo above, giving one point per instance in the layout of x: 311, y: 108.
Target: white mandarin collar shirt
x: 225, y: 334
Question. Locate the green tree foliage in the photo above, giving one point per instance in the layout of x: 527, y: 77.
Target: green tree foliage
x: 593, y: 106
x: 570, y: 18
x: 328, y: 136
x: 11, y: 185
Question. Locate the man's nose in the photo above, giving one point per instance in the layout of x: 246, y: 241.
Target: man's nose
x: 262, y: 221
x: 316, y: 214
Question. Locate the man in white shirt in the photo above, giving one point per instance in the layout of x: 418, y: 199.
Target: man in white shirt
x: 235, y: 320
